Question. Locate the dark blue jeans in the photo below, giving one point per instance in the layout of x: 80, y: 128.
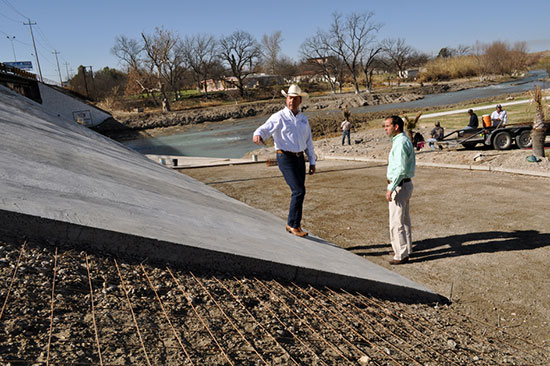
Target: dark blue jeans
x: 344, y: 134
x: 294, y: 172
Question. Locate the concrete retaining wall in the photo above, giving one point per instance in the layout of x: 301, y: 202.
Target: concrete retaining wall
x: 62, y: 105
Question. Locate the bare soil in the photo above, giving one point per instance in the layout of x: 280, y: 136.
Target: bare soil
x: 480, y: 238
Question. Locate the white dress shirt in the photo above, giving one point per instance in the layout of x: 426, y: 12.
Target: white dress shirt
x: 290, y: 132
x: 502, y: 115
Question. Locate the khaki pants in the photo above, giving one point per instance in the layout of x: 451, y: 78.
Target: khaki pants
x: 400, y: 221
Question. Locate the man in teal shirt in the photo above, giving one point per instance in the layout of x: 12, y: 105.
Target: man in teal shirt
x: 401, y: 165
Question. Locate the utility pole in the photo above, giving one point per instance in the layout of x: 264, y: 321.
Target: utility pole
x: 55, y: 52
x: 93, y: 80
x: 67, y: 69
x: 35, y: 51
x: 85, y: 82
x: 12, y: 47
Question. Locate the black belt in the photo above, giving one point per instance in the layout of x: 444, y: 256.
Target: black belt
x: 406, y: 180
x: 297, y: 154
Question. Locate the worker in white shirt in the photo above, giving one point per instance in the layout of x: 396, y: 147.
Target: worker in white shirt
x: 292, y: 137
x: 499, y: 117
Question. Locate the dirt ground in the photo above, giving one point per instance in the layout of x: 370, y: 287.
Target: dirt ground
x: 480, y: 238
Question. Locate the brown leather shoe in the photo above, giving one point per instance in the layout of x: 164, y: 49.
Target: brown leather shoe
x: 296, y: 231
x: 402, y: 261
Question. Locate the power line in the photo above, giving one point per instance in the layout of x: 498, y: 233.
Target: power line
x: 8, y: 18
x: 14, y: 9
x: 41, y: 34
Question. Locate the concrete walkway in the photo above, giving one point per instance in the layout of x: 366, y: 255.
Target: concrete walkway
x: 62, y: 182
x: 185, y: 162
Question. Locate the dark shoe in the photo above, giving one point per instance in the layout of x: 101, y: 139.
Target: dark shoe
x: 402, y: 261
x: 296, y: 231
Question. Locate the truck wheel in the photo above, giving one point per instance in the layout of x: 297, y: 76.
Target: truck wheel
x: 523, y: 140
x: 502, y: 141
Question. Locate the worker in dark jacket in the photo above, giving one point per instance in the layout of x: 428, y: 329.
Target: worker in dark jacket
x: 474, y: 122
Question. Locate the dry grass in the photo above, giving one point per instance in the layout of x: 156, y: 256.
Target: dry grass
x: 451, y: 68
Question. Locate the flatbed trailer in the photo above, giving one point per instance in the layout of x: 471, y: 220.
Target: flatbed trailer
x: 501, y: 138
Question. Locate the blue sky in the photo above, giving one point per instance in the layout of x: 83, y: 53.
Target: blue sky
x: 84, y: 32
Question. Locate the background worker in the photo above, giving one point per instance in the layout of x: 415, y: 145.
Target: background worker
x: 474, y: 121
x: 499, y: 117
x: 401, y: 166
x: 292, y: 137
x: 346, y: 127
x: 436, y: 134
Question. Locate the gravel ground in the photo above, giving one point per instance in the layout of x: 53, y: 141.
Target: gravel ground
x: 60, y: 306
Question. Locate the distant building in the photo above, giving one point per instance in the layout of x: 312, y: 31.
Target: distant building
x: 252, y: 81
x: 408, y: 74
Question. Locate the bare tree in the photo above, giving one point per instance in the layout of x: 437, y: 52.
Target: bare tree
x: 517, y: 58
x: 271, y: 47
x: 200, y: 53
x: 286, y: 68
x: 350, y: 37
x: 242, y: 53
x: 130, y: 52
x: 164, y: 53
x: 462, y: 50
x: 398, y: 52
x: 317, y: 53
x: 368, y: 64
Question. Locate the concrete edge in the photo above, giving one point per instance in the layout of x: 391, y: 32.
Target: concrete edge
x: 85, y: 238
x: 448, y: 166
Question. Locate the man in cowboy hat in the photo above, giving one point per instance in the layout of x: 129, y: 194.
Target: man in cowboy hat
x: 292, y: 137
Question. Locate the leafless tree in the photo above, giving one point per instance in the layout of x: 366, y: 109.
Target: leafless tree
x: 368, y: 64
x: 165, y: 53
x: 316, y: 52
x: 200, y: 53
x: 241, y: 52
x: 398, y: 52
x: 271, y: 48
x: 462, y: 50
x: 286, y: 68
x: 350, y: 37
x: 502, y: 58
x: 130, y: 52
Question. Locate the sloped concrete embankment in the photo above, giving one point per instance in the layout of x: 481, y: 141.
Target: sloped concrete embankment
x: 63, y: 182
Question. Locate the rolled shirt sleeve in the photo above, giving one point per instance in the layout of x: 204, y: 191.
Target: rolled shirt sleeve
x: 289, y: 132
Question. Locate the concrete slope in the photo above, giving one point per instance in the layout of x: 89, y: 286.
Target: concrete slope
x: 60, y: 179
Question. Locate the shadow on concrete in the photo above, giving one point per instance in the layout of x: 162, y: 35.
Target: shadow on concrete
x: 464, y: 244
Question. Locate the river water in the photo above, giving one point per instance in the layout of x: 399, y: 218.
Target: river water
x: 234, y: 139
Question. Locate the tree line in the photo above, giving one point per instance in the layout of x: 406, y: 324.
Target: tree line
x: 162, y: 64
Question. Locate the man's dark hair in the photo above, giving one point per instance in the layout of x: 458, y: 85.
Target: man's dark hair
x: 396, y: 120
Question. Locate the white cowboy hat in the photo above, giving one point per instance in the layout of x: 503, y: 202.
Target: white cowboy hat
x: 294, y: 91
